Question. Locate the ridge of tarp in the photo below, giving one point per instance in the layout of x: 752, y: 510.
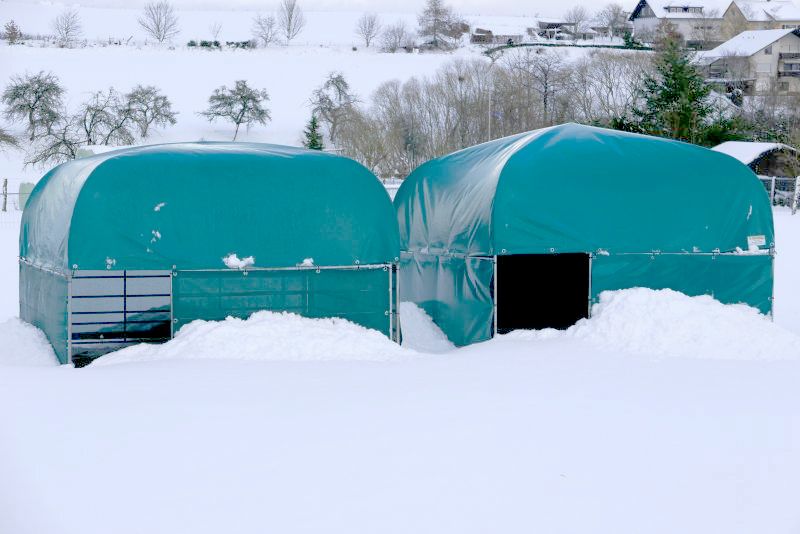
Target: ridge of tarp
x: 188, y: 205
x: 576, y: 188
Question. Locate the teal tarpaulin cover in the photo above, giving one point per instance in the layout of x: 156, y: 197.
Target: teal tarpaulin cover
x: 575, y: 188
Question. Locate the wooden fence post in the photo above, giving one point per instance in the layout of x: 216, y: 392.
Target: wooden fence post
x: 5, y: 194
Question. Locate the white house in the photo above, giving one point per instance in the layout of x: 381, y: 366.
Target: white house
x: 702, y: 21
x: 692, y: 19
x: 757, y: 61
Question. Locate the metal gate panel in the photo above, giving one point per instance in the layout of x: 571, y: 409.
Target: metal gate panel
x: 109, y: 310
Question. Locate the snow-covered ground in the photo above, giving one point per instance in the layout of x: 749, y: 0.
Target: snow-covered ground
x: 566, y: 433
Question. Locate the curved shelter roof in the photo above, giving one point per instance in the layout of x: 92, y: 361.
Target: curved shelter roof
x: 574, y: 188
x: 189, y: 205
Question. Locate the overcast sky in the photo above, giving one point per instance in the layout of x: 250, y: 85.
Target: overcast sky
x: 470, y: 7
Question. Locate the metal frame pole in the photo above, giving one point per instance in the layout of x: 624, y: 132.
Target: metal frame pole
x: 772, y: 191
x: 494, y: 303
x: 589, y: 311
x: 69, y: 319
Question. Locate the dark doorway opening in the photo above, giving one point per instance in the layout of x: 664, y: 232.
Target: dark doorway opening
x: 536, y: 291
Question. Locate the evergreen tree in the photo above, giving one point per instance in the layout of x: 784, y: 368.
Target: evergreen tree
x: 11, y: 32
x: 676, y: 99
x: 312, y: 135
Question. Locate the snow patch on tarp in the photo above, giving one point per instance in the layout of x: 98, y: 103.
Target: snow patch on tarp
x: 268, y: 336
x: 420, y: 332
x: 24, y: 344
x: 666, y: 323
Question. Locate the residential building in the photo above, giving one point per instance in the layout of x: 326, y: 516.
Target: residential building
x: 743, y: 15
x: 757, y: 62
x: 699, y: 22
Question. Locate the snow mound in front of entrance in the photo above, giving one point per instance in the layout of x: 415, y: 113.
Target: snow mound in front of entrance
x: 268, y: 336
x: 22, y: 344
x: 666, y: 323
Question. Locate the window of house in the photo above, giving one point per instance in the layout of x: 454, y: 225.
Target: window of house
x: 768, y: 50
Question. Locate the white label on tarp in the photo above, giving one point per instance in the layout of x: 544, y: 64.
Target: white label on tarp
x: 756, y: 241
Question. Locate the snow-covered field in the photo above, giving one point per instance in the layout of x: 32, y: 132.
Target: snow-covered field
x: 567, y: 433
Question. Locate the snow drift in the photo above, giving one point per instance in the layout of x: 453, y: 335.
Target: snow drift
x: 24, y: 344
x: 420, y: 332
x: 268, y: 336
x: 666, y: 323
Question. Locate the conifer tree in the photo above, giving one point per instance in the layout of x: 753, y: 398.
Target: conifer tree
x: 676, y: 103
x: 312, y: 136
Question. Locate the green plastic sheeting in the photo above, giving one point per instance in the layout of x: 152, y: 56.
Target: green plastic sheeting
x: 580, y: 189
x: 189, y: 205
x: 727, y: 278
x: 43, y: 303
x: 313, y: 222
x: 361, y: 296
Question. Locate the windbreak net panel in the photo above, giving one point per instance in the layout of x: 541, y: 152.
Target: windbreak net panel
x: 360, y: 295
x: 113, y: 309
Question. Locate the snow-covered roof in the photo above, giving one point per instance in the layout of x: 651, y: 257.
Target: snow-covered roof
x: 661, y: 8
x: 745, y: 44
x: 748, y: 152
x: 765, y: 11
x: 504, y: 25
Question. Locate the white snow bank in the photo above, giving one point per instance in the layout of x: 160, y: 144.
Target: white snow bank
x: 24, y: 344
x: 232, y: 261
x: 666, y: 323
x: 420, y: 332
x: 268, y: 336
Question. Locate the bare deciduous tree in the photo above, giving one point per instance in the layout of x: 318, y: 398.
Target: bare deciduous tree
x: 395, y: 37
x: 159, y: 20
x: 332, y: 102
x: 214, y: 29
x: 67, y: 27
x: 34, y: 99
x: 148, y: 107
x: 106, y: 119
x: 59, y: 144
x: 290, y: 19
x: 576, y: 17
x: 368, y: 27
x: 6, y: 139
x: 265, y: 29
x: 240, y: 105
x: 439, y: 26
x: 612, y: 16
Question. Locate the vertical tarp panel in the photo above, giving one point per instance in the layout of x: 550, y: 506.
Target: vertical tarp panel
x: 731, y: 279
x: 455, y: 291
x: 361, y: 296
x: 43, y: 303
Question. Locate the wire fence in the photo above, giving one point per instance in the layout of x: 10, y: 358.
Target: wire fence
x: 783, y: 191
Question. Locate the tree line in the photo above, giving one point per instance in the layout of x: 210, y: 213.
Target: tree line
x: 439, y: 27
x: 403, y: 124
x: 467, y: 102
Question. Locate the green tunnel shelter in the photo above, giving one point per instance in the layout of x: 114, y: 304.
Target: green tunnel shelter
x: 527, y: 231
x: 128, y: 246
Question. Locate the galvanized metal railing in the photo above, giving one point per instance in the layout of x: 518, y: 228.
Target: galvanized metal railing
x: 783, y: 191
